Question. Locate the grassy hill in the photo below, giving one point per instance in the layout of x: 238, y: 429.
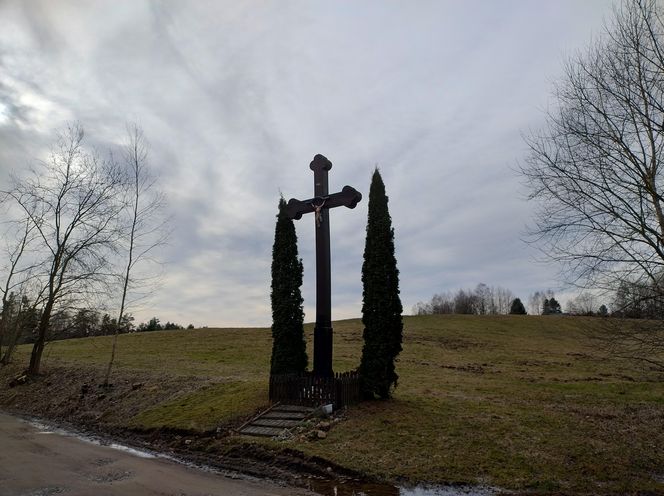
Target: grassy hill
x: 520, y: 402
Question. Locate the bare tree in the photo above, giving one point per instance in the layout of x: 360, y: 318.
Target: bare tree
x: 595, y: 171
x: 585, y: 303
x: 14, y: 300
x: 423, y: 308
x: 71, y: 200
x: 536, y: 301
x: 465, y: 302
x: 483, y: 299
x: 144, y: 229
x: 638, y: 301
x: 640, y: 341
x: 442, y: 303
x: 493, y: 300
x: 503, y: 298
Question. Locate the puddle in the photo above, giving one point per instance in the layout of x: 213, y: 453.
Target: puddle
x: 131, y: 451
x: 327, y: 488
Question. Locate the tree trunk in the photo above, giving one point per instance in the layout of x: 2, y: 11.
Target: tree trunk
x: 38, y: 347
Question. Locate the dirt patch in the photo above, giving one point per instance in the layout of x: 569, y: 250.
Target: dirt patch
x: 449, y: 343
x: 76, y: 394
x: 473, y: 368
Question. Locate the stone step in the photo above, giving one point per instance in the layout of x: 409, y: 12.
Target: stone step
x: 276, y: 414
x: 275, y: 421
x: 269, y: 422
x: 253, y: 430
x: 293, y: 408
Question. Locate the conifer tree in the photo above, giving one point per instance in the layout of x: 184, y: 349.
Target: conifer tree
x: 603, y: 311
x: 289, y: 353
x: 381, y: 305
x: 517, y: 307
x: 554, y: 306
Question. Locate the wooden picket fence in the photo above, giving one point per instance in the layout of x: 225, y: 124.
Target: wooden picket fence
x: 341, y: 390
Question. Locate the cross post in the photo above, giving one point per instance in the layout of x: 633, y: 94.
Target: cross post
x: 320, y: 205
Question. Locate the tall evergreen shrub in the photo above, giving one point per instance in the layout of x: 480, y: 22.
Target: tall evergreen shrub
x: 289, y: 353
x: 381, y: 305
x: 517, y: 307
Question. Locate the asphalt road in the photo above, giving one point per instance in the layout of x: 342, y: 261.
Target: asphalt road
x: 36, y: 462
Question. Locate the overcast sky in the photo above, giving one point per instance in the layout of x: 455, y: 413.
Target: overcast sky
x: 237, y: 97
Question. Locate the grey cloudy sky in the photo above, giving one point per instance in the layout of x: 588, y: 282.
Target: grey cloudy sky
x: 237, y: 97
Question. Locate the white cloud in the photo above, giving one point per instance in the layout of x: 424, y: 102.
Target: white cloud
x: 236, y: 98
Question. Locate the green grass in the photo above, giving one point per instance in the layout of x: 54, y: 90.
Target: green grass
x: 203, y: 409
x: 520, y: 402
x: 226, y: 353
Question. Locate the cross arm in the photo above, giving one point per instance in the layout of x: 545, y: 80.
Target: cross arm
x: 347, y: 197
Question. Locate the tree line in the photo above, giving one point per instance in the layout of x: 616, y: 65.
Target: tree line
x: 22, y: 319
x: 483, y: 300
x: 488, y: 300
x: 631, y: 300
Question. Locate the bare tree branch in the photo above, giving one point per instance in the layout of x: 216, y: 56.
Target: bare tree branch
x: 145, y: 225
x: 594, y: 172
x: 71, y: 201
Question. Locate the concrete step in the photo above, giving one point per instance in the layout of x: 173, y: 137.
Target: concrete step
x: 275, y: 421
x: 268, y: 422
x: 275, y: 414
x: 293, y: 408
x: 253, y: 430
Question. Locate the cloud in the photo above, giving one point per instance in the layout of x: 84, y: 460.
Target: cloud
x: 236, y: 99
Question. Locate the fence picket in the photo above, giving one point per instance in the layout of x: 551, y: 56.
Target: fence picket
x: 341, y: 390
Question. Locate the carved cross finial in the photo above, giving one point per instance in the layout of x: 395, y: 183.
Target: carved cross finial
x: 320, y: 163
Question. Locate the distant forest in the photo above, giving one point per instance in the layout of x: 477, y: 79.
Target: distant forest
x: 80, y: 323
x: 630, y: 301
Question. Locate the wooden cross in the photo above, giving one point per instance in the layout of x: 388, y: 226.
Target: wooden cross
x: 321, y: 203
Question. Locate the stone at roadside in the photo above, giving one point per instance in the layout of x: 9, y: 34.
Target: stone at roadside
x: 321, y: 434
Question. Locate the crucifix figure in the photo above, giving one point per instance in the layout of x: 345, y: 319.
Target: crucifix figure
x: 320, y: 205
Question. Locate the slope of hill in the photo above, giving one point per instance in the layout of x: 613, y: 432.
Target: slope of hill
x: 518, y: 402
